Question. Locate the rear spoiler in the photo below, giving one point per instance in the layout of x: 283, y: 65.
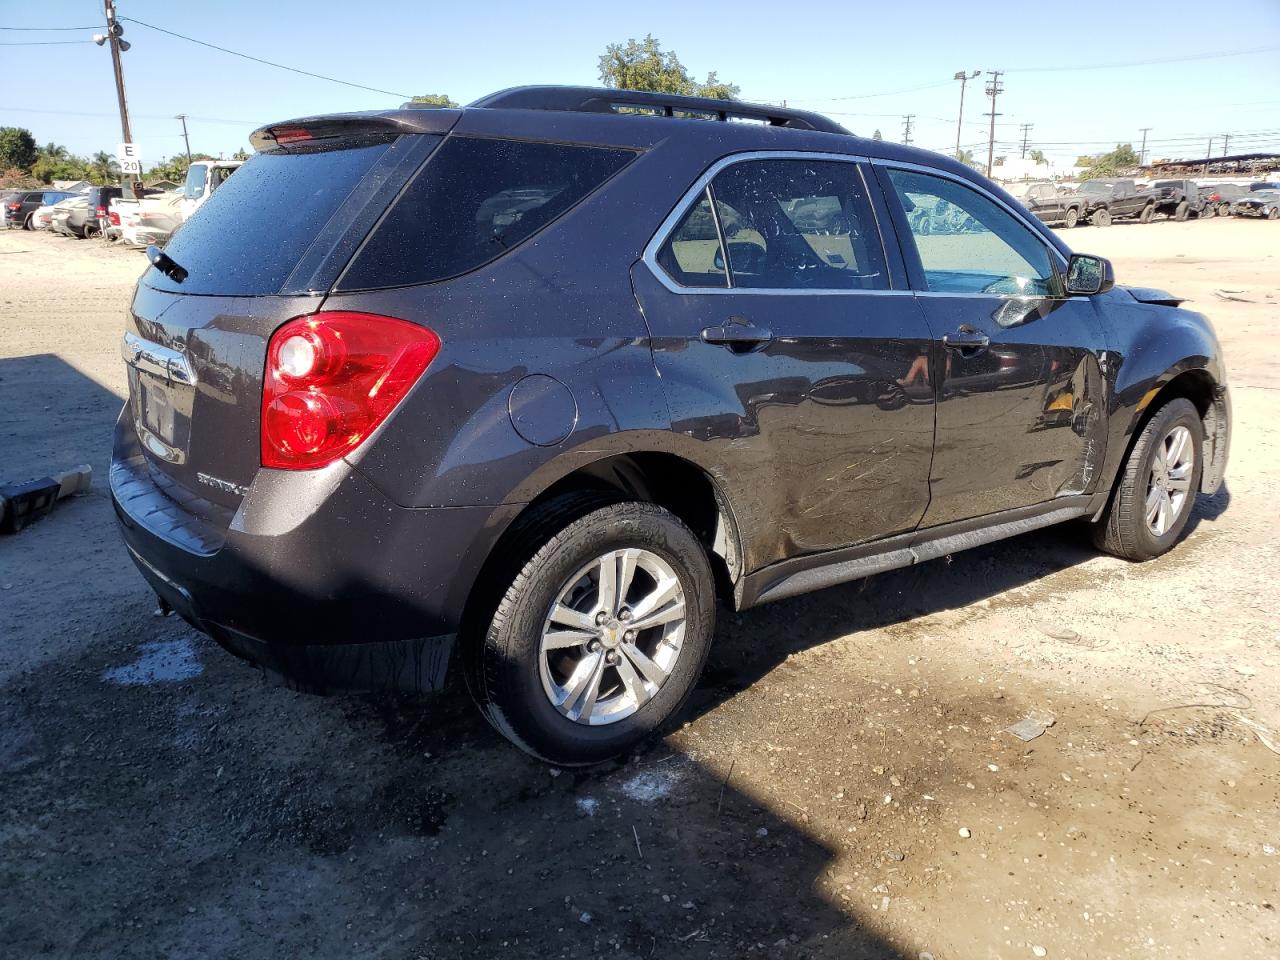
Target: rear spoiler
x: 344, y: 125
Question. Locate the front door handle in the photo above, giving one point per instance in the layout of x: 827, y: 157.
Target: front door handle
x: 967, y: 339
x: 737, y: 336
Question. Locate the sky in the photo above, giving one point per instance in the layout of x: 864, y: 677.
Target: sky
x: 1085, y: 78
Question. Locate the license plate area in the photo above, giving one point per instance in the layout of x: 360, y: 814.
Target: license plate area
x: 161, y: 392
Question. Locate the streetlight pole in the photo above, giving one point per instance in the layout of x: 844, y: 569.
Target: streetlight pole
x: 964, y: 78
x: 183, y: 118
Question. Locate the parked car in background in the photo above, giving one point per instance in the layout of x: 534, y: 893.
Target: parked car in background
x: 1264, y: 185
x: 203, y: 178
x: 21, y: 207
x: 1115, y: 199
x: 541, y: 382
x: 1259, y: 203
x: 77, y: 219
x: 151, y: 220
x: 1218, y: 197
x: 100, y: 203
x: 5, y: 198
x: 1050, y: 203
x: 42, y: 219
x: 1177, y: 198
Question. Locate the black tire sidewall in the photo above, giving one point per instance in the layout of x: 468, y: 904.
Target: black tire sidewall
x: 1102, y: 218
x: 1073, y: 217
x: 1177, y: 412
x: 514, y: 698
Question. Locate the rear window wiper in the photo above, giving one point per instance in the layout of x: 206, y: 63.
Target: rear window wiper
x: 166, y: 264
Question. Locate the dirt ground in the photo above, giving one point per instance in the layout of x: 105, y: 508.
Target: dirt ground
x: 844, y: 786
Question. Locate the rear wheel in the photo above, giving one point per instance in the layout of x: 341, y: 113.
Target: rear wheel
x: 1073, y: 217
x: 1274, y: 214
x: 1156, y: 491
x: 30, y: 222
x: 1101, y: 218
x: 1181, y: 210
x: 1147, y: 213
x: 1208, y: 212
x: 598, y: 639
x: 1224, y: 209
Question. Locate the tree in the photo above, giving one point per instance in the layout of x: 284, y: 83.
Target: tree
x: 433, y: 100
x: 1038, y: 158
x: 241, y: 154
x: 53, y: 151
x: 1120, y: 160
x: 877, y: 135
x: 17, y: 148
x: 966, y: 157
x: 103, y: 168
x: 644, y: 65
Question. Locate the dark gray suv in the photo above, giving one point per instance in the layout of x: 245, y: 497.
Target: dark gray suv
x: 542, y: 381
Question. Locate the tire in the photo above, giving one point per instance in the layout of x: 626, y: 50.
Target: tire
x: 1224, y: 209
x: 91, y: 231
x: 1274, y: 214
x: 1124, y: 530
x: 512, y: 677
x: 1147, y: 213
x: 1101, y: 218
x: 29, y: 222
x: 1181, y: 211
x: 1208, y: 212
x: 1073, y: 217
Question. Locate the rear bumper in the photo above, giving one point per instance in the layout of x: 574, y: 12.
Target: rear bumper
x: 317, y: 577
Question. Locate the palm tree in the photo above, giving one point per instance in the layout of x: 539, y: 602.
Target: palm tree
x: 104, y: 166
x: 54, y: 151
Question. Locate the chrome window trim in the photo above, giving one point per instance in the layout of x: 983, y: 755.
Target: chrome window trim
x: 690, y: 197
x: 1023, y: 216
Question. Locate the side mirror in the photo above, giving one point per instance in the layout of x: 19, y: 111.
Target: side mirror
x: 1087, y: 275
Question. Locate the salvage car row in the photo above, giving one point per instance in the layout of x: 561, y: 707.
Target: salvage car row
x: 1102, y: 201
x: 104, y: 212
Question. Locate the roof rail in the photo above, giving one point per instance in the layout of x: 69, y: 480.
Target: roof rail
x: 608, y: 100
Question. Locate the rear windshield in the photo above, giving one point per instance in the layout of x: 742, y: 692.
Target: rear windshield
x: 248, y: 237
x: 472, y: 201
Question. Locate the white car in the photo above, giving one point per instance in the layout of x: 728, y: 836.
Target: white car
x: 151, y: 219
x: 42, y: 219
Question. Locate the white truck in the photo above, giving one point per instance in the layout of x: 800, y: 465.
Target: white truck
x: 204, y: 177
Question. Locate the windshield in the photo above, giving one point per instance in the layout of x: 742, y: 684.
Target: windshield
x: 194, y: 185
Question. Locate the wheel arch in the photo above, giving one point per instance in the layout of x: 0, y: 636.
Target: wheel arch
x: 649, y: 475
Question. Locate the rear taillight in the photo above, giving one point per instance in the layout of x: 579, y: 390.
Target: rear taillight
x: 115, y: 219
x: 100, y: 212
x: 331, y: 379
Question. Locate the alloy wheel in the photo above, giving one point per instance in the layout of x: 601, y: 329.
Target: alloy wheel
x: 612, y: 637
x: 1169, y: 483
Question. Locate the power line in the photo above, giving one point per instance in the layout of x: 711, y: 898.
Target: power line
x: 1146, y: 63
x: 39, y: 43
x: 269, y: 63
x: 51, y: 29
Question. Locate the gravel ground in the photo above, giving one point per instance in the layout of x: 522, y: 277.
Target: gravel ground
x: 843, y: 788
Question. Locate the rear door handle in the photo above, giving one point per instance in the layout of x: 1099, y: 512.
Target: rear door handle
x: 741, y: 336
x: 966, y: 338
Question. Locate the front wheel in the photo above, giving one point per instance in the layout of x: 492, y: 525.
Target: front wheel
x: 1156, y: 490
x: 1181, y: 211
x: 1101, y: 218
x: 600, y: 636
x: 1209, y: 212
x: 1147, y: 213
x: 1073, y: 217
x: 1274, y: 214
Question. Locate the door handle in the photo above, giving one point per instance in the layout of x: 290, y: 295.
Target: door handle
x: 738, y: 336
x: 966, y: 338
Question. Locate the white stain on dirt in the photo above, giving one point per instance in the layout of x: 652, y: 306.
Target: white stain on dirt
x: 162, y: 661
x: 651, y: 785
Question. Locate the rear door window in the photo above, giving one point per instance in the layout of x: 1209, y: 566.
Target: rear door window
x: 799, y: 224
x: 251, y: 233
x: 692, y: 254
x: 472, y: 201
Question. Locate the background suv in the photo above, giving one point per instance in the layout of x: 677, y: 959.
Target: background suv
x: 546, y: 378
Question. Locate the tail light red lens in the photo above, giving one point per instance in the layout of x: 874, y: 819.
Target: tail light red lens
x: 100, y: 212
x: 115, y: 219
x: 332, y: 378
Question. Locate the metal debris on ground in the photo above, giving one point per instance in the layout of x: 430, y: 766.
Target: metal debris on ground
x: 1032, y: 725
x: 22, y: 503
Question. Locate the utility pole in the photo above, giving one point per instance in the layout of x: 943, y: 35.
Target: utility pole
x: 1208, y: 152
x: 906, y: 128
x: 1026, y: 132
x: 112, y: 36
x: 183, y: 118
x: 1142, y: 154
x: 994, y: 89
x: 1226, y: 143
x: 964, y: 78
